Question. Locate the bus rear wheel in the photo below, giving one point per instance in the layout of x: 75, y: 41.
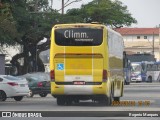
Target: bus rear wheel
x: 76, y: 101
x: 60, y: 101
x: 107, y: 101
x: 150, y: 79
x: 69, y: 100
x: 127, y: 83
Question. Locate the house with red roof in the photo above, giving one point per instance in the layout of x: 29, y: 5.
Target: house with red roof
x: 141, y: 40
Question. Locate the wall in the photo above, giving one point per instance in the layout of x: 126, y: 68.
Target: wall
x: 132, y: 38
x: 142, y: 45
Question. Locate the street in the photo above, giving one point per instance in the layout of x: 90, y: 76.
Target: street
x: 145, y: 97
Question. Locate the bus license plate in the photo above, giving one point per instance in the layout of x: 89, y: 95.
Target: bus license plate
x: 79, y: 83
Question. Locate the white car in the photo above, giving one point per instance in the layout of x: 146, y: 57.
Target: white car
x: 13, y: 87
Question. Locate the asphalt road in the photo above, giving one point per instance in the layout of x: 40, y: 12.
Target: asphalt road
x: 137, y: 97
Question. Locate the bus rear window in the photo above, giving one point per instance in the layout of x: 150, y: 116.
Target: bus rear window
x: 79, y: 37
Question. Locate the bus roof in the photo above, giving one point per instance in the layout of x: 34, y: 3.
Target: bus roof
x: 79, y: 24
x: 89, y: 24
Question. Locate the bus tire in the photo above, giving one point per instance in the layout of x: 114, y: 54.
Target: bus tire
x: 76, y: 101
x: 69, y: 101
x: 60, y: 101
x: 105, y: 101
x: 108, y: 100
x: 150, y: 79
x: 127, y: 83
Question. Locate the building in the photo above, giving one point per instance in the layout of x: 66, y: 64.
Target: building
x: 141, y: 40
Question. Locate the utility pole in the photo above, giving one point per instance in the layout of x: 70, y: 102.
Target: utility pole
x: 36, y: 6
x: 159, y: 42
x: 67, y: 3
x: 62, y: 7
x: 35, y: 49
x: 153, y: 43
x: 51, y: 4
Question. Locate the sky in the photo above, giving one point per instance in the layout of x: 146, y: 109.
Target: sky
x: 146, y: 12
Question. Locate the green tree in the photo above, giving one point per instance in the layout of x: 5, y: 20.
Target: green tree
x: 8, y: 30
x: 27, y: 22
x: 108, y: 12
x: 33, y: 20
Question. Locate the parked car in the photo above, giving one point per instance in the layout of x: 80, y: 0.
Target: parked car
x: 13, y: 87
x: 39, y: 83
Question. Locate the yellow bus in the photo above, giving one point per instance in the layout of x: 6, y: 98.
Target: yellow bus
x: 86, y: 62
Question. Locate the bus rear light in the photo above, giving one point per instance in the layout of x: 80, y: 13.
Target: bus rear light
x: 52, y: 75
x: 104, y: 75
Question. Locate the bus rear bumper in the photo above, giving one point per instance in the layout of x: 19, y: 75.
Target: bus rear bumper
x: 78, y: 89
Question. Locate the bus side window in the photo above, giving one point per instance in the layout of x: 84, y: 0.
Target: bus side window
x: 144, y: 67
x: 158, y: 67
x: 154, y: 67
x: 149, y: 67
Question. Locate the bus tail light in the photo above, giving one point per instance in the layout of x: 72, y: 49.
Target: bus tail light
x: 52, y: 75
x: 104, y: 75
